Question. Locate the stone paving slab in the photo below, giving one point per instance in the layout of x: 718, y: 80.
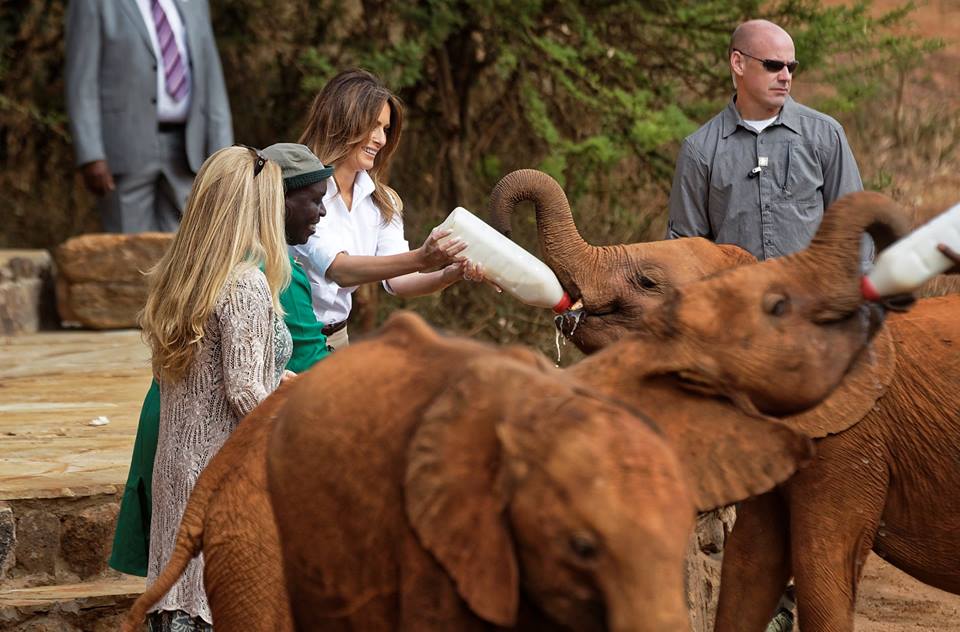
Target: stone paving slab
x: 86, y: 593
x: 51, y: 386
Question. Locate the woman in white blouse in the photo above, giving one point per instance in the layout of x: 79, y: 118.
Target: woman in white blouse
x: 355, y: 125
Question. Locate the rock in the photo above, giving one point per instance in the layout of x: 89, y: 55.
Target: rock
x: 26, y: 291
x: 86, y: 538
x: 101, y: 305
x: 109, y: 257
x: 100, y: 282
x: 702, y: 572
x: 38, y: 541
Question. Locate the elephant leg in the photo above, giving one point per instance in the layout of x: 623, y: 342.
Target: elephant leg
x: 756, y: 565
x: 835, y: 507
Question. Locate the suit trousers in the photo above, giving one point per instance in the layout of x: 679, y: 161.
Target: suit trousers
x: 153, y: 198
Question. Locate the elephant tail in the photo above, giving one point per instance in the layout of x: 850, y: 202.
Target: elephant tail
x: 189, y: 544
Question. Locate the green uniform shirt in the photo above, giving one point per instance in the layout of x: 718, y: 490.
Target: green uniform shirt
x: 309, y: 343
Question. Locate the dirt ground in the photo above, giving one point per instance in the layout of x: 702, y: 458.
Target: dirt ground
x: 890, y: 600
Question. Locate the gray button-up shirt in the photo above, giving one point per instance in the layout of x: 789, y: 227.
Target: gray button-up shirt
x: 804, y: 165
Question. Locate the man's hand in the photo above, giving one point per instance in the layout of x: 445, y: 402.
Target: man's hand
x: 435, y: 255
x: 97, y: 177
x: 953, y: 256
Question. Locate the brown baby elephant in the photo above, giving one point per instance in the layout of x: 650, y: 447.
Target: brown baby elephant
x: 429, y: 483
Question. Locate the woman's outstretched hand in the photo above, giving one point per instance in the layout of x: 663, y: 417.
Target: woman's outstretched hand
x: 436, y: 255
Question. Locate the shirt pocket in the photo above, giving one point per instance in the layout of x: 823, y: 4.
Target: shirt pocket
x: 798, y: 173
x: 732, y: 193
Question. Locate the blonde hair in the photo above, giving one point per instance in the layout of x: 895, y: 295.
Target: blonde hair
x: 233, y: 221
x: 341, y: 119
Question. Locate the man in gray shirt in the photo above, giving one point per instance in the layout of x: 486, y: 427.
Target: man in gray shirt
x: 761, y: 172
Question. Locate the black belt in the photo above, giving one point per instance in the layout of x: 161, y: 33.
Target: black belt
x: 166, y: 128
x: 333, y: 328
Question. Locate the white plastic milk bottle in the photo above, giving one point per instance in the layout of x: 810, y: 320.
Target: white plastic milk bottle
x: 914, y: 259
x: 505, y: 263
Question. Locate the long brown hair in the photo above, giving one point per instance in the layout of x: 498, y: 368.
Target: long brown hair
x: 341, y: 118
x: 233, y: 221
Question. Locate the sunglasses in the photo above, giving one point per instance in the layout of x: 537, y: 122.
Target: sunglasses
x: 773, y: 65
x: 259, y: 161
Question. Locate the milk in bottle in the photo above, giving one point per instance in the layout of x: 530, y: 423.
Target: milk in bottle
x: 505, y: 263
x: 913, y: 260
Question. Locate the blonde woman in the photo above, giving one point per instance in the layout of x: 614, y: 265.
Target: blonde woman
x: 355, y: 125
x: 214, y: 323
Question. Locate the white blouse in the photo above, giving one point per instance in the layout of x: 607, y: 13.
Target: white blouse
x: 360, y: 232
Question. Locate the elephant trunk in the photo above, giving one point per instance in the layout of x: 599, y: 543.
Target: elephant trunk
x: 659, y: 610
x: 833, y: 258
x: 564, y: 250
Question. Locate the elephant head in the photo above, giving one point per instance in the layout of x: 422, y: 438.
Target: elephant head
x: 782, y: 333
x: 617, y: 284
x: 560, y: 496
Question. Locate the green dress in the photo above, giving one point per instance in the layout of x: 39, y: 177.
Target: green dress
x: 131, y: 540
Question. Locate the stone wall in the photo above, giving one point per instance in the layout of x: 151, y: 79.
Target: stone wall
x: 54, y: 541
x: 26, y: 291
x: 100, y: 282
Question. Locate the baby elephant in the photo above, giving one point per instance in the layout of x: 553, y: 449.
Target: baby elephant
x: 425, y: 483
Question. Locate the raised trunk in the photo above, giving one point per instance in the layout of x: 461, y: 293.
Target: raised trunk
x: 833, y: 258
x: 564, y: 250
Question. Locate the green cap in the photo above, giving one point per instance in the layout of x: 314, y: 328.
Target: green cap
x: 299, y: 166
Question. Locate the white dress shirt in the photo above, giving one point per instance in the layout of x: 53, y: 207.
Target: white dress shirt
x: 168, y: 110
x: 360, y: 232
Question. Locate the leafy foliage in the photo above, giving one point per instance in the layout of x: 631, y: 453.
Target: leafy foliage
x: 595, y: 92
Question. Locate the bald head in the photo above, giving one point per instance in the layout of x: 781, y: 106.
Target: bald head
x: 756, y: 34
x: 762, y: 60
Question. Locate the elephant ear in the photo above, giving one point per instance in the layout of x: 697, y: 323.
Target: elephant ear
x: 729, y: 454
x: 856, y: 395
x: 456, y: 494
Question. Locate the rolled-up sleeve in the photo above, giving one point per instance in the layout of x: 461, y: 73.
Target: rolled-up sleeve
x: 320, y: 251
x: 688, y: 198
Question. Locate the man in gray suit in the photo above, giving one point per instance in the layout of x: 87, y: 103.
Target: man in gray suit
x: 147, y: 105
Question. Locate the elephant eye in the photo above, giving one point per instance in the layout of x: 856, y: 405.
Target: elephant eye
x: 776, y: 304
x: 583, y: 545
x: 646, y: 282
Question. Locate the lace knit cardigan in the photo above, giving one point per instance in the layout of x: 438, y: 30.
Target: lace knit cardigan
x: 239, y: 362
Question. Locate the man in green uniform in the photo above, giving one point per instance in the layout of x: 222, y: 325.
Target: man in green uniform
x: 304, y: 183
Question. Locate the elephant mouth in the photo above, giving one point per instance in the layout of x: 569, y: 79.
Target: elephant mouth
x: 568, y: 322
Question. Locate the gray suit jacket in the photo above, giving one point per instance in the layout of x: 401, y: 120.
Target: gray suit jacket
x: 111, y: 77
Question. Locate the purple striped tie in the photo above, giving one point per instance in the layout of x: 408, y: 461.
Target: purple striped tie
x: 173, y: 68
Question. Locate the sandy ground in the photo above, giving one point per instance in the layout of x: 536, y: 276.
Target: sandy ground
x: 892, y: 600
